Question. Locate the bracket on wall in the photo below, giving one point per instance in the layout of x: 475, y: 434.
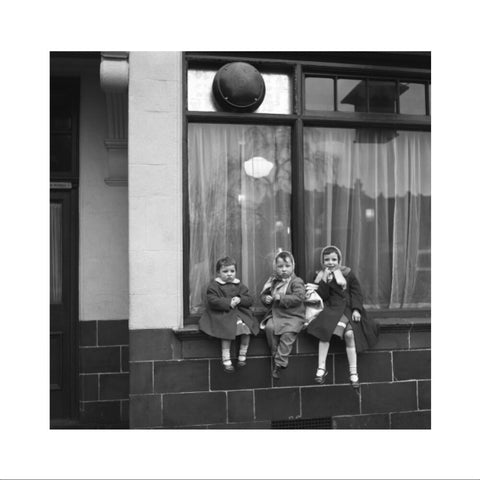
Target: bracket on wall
x: 114, y: 82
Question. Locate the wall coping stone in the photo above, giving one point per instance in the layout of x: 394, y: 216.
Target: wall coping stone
x: 386, y: 325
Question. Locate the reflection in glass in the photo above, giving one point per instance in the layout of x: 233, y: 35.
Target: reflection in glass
x: 231, y: 212
x: 372, y: 199
x: 382, y: 96
x: 352, y: 95
x: 319, y: 94
x: 55, y: 253
x: 412, y: 100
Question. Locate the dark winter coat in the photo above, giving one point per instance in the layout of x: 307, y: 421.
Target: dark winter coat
x: 219, y: 319
x: 288, y: 313
x: 337, y: 302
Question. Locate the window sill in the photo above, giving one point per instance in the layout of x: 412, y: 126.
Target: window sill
x: 380, y: 314
x: 396, y: 320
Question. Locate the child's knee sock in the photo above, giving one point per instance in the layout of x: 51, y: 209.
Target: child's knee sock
x: 322, y: 353
x: 352, y: 360
x: 226, y: 352
x: 244, y: 343
x: 351, y: 354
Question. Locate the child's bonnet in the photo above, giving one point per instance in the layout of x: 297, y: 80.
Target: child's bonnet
x: 339, y: 273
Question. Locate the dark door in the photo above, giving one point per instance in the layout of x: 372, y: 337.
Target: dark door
x: 62, y: 303
x: 64, y: 110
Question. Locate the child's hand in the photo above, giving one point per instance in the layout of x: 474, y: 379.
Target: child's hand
x: 268, y: 299
x: 310, y: 287
x: 326, y: 274
x: 356, y: 317
x: 277, y: 297
x: 234, y: 302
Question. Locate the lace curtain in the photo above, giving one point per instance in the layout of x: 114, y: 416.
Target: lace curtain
x: 369, y: 192
x: 366, y: 191
x: 233, y: 213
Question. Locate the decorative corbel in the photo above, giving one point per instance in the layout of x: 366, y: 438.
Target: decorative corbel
x: 114, y: 82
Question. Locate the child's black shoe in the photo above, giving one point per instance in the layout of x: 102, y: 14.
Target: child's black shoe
x: 276, y: 372
x: 321, y: 377
x: 242, y: 361
x: 354, y: 380
x: 228, y: 367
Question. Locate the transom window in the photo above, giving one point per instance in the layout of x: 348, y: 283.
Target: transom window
x: 333, y: 158
x: 365, y: 95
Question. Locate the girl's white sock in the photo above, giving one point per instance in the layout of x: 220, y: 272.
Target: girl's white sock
x: 226, y: 352
x: 352, y: 360
x: 242, y: 352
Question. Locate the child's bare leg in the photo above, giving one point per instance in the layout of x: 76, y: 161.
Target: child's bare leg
x: 322, y: 354
x: 242, y: 353
x: 321, y: 374
x: 351, y: 355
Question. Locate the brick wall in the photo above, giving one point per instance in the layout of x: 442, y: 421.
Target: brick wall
x: 177, y: 381
x: 104, y: 373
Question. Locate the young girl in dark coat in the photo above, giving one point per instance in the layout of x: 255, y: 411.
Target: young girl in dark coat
x: 228, y: 313
x: 283, y: 294
x: 343, y: 314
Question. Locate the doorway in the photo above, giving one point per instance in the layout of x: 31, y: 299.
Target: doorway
x: 64, y: 100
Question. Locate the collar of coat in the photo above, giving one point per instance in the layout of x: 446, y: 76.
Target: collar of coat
x: 345, y: 271
x: 275, y: 278
x: 221, y: 282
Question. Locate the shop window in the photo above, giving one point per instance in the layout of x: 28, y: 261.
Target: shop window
x: 345, y: 160
x: 372, y: 199
x: 239, y: 201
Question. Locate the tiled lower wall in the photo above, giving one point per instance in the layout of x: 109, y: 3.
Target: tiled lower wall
x: 104, y: 373
x: 177, y: 381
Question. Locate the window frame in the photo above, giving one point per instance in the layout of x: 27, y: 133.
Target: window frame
x: 297, y: 120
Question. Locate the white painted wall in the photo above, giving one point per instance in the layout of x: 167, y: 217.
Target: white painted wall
x: 103, y: 221
x: 103, y: 213
x: 155, y: 190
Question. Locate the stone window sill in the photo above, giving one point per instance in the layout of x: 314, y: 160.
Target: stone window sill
x: 387, y: 324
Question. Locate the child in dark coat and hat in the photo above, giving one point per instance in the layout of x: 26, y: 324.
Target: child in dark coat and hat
x: 228, y: 313
x: 343, y: 314
x: 283, y: 294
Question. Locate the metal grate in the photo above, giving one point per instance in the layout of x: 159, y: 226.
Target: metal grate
x: 312, y: 423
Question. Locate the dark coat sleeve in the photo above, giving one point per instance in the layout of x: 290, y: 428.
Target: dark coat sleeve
x: 296, y: 297
x: 355, y: 293
x: 246, y: 300
x: 323, y: 290
x: 216, y: 301
x: 264, y: 294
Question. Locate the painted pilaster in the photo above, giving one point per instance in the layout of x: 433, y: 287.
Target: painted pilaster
x: 155, y: 189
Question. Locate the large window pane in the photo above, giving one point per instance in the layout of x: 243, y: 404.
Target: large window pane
x: 239, y: 201
x: 368, y: 192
